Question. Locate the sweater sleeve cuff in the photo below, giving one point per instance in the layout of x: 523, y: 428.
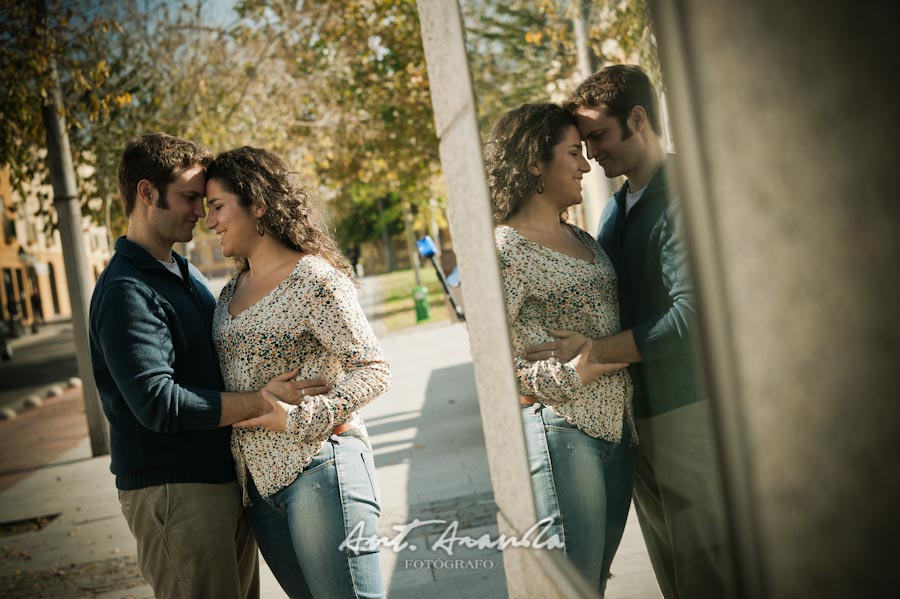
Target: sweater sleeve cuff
x: 654, y: 341
x: 200, y: 409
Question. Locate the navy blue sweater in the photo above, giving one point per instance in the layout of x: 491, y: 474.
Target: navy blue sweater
x: 656, y: 297
x: 156, y: 370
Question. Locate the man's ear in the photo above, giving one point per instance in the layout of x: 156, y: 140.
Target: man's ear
x: 145, y: 192
x: 637, y: 118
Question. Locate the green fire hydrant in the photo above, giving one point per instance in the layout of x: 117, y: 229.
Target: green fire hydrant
x: 420, y: 299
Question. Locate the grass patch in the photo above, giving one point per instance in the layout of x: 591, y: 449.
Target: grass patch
x: 396, y: 308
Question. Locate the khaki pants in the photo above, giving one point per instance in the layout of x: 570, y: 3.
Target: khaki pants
x: 678, y: 500
x: 193, y: 540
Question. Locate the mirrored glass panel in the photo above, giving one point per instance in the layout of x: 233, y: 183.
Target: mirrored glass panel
x: 598, y: 294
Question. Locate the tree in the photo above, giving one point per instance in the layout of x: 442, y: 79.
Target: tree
x: 35, y: 35
x: 521, y: 51
x: 210, y: 83
x: 365, y: 105
x: 339, y: 89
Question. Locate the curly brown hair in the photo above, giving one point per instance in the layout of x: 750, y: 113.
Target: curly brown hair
x: 262, y: 179
x: 522, y: 137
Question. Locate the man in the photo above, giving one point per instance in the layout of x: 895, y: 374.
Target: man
x: 155, y: 367
x: 676, y: 493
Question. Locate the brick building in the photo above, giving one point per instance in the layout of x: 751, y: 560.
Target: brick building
x: 33, y: 285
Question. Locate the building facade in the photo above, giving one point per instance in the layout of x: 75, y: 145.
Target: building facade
x: 33, y: 288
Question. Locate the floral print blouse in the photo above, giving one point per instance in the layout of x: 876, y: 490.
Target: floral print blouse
x: 546, y: 289
x: 312, y: 321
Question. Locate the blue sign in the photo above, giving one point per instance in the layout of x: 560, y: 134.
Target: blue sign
x: 426, y: 247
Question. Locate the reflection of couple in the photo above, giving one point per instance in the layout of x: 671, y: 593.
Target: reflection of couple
x: 288, y: 326
x: 580, y: 311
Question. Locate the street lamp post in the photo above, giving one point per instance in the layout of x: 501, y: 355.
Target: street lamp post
x: 68, y: 209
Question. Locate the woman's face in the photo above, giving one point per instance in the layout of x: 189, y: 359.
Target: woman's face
x: 235, y: 225
x: 562, y: 174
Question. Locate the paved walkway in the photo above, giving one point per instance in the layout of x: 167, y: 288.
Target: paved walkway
x: 63, y: 535
x: 40, y: 359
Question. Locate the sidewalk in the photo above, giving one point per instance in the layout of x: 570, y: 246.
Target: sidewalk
x: 369, y: 296
x: 69, y: 539
x: 429, y: 450
x: 56, y: 363
x: 45, y: 330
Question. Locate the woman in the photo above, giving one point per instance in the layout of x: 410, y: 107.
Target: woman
x: 306, y: 470
x: 578, y: 417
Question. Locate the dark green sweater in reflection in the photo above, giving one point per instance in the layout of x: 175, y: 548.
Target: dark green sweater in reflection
x: 656, y: 297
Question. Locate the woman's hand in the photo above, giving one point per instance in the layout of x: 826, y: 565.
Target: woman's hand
x: 566, y: 347
x: 293, y: 392
x: 275, y: 420
x: 591, y: 371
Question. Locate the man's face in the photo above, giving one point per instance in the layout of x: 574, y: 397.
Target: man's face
x: 184, y: 198
x: 603, y: 136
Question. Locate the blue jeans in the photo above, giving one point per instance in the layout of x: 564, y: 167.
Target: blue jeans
x: 583, y: 484
x: 299, y: 528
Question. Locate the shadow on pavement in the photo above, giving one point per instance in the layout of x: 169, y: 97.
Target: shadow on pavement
x: 39, y: 437
x: 447, y: 481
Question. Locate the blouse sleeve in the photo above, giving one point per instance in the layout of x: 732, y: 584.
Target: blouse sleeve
x: 338, y: 322
x: 551, y: 379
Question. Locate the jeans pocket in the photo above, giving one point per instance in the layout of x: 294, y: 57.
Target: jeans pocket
x: 609, y: 448
x: 369, y: 463
x: 323, y: 459
x: 355, y: 433
x: 555, y: 422
x: 320, y: 466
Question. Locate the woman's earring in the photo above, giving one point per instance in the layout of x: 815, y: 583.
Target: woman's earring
x: 540, y: 185
x: 259, y: 227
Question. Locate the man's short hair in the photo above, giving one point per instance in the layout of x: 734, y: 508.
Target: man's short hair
x: 618, y: 88
x: 159, y: 158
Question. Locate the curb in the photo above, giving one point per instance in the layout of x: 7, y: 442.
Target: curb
x: 34, y: 401
x: 47, y: 330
